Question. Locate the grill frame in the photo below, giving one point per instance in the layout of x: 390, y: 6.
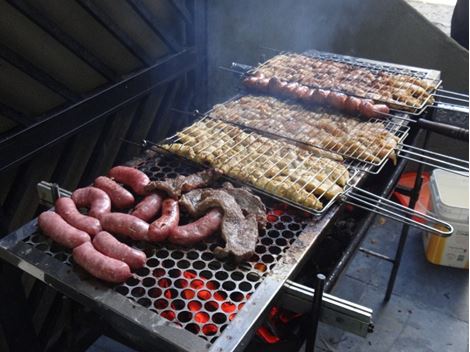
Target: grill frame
x: 137, y: 322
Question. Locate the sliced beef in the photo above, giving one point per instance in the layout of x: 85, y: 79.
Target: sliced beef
x: 239, y: 232
x: 174, y: 187
x: 248, y: 202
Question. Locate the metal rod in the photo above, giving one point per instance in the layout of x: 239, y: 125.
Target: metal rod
x: 315, y: 315
x: 376, y: 254
x: 405, y: 230
x: 452, y: 93
x: 451, y: 98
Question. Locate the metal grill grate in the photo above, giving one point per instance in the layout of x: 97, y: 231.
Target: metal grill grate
x: 189, y: 286
x: 271, y: 166
x: 400, y: 88
x: 372, y: 142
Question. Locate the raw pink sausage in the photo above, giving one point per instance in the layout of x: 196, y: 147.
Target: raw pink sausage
x: 121, y: 198
x: 126, y: 225
x: 161, y: 228
x: 67, y: 209
x: 100, y: 265
x: 93, y: 198
x: 198, y: 230
x: 107, y: 244
x: 148, y: 208
x: 131, y: 177
x: 57, y: 228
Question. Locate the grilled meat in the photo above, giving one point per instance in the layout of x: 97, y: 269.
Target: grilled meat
x: 174, y: 187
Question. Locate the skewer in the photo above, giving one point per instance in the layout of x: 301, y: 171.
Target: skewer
x: 453, y: 93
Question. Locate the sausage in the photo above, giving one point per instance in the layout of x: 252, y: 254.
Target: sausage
x: 198, y: 230
x: 100, y: 265
x: 352, y: 104
x: 131, y: 177
x: 57, y: 228
x: 301, y: 92
x: 125, y: 225
x: 93, y: 198
x: 380, y: 110
x: 148, y: 208
x: 290, y: 90
x: 120, y: 197
x: 276, y: 86
x: 161, y: 228
x: 319, y: 96
x: 105, y: 243
x: 337, y: 100
x: 67, y: 209
x: 367, y: 108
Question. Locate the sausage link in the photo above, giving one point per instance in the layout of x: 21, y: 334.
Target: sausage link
x: 198, y: 230
x: 100, y: 265
x: 380, y: 110
x: 131, y: 177
x: 148, y: 208
x: 121, y: 198
x: 125, y: 225
x: 95, y: 199
x: 337, y: 100
x: 67, y: 209
x: 367, y: 108
x: 110, y: 246
x: 161, y: 228
x: 57, y: 228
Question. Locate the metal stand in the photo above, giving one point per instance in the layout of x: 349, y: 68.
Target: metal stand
x: 413, y: 193
x: 315, y: 315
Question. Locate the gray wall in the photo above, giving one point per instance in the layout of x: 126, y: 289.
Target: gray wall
x: 388, y: 30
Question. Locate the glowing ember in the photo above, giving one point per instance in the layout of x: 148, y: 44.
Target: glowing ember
x: 188, y: 294
x: 260, y: 267
x: 220, y: 296
x: 168, y: 314
x: 209, y: 329
x: 197, y: 284
x: 228, y: 307
x: 194, y: 306
x: 201, y: 317
x: 211, y: 306
x: 160, y: 304
x: 189, y: 274
x: 204, y: 295
x: 164, y: 283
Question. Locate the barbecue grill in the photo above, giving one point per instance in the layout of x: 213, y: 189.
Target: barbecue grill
x: 186, y: 298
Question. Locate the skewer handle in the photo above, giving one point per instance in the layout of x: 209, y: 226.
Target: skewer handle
x: 444, y: 129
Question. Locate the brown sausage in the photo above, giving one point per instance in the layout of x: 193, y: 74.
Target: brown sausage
x: 93, y: 198
x: 319, y: 96
x: 276, y: 86
x: 352, y: 104
x: 148, y: 208
x: 290, y: 90
x: 121, y: 198
x: 367, y: 108
x: 337, y: 100
x: 125, y: 225
x: 131, y: 177
x: 301, y: 92
x: 198, y: 230
x: 161, y: 228
x: 67, y: 209
x: 57, y: 228
x: 380, y: 110
x: 100, y: 265
x: 110, y: 246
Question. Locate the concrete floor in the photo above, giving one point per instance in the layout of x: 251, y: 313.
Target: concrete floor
x: 438, y: 12
x: 428, y: 310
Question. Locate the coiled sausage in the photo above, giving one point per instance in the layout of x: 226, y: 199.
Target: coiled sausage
x: 198, y: 230
x: 148, y: 208
x: 120, y: 197
x: 93, y: 198
x: 131, y: 177
x: 161, y: 228
x: 60, y: 231
x: 107, y: 244
x: 67, y: 209
x: 100, y: 265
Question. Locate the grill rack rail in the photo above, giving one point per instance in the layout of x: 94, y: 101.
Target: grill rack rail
x: 426, y: 96
x: 350, y: 193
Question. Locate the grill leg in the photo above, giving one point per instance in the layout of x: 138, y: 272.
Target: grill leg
x: 315, y: 316
x: 406, y: 228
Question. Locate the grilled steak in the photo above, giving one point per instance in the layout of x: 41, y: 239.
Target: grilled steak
x: 174, y: 187
x: 239, y: 232
x: 248, y: 202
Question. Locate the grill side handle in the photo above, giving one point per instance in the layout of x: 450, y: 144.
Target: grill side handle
x: 444, y: 129
x: 366, y: 200
x: 433, y: 159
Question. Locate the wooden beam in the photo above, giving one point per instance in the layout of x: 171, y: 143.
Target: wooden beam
x: 39, y: 18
